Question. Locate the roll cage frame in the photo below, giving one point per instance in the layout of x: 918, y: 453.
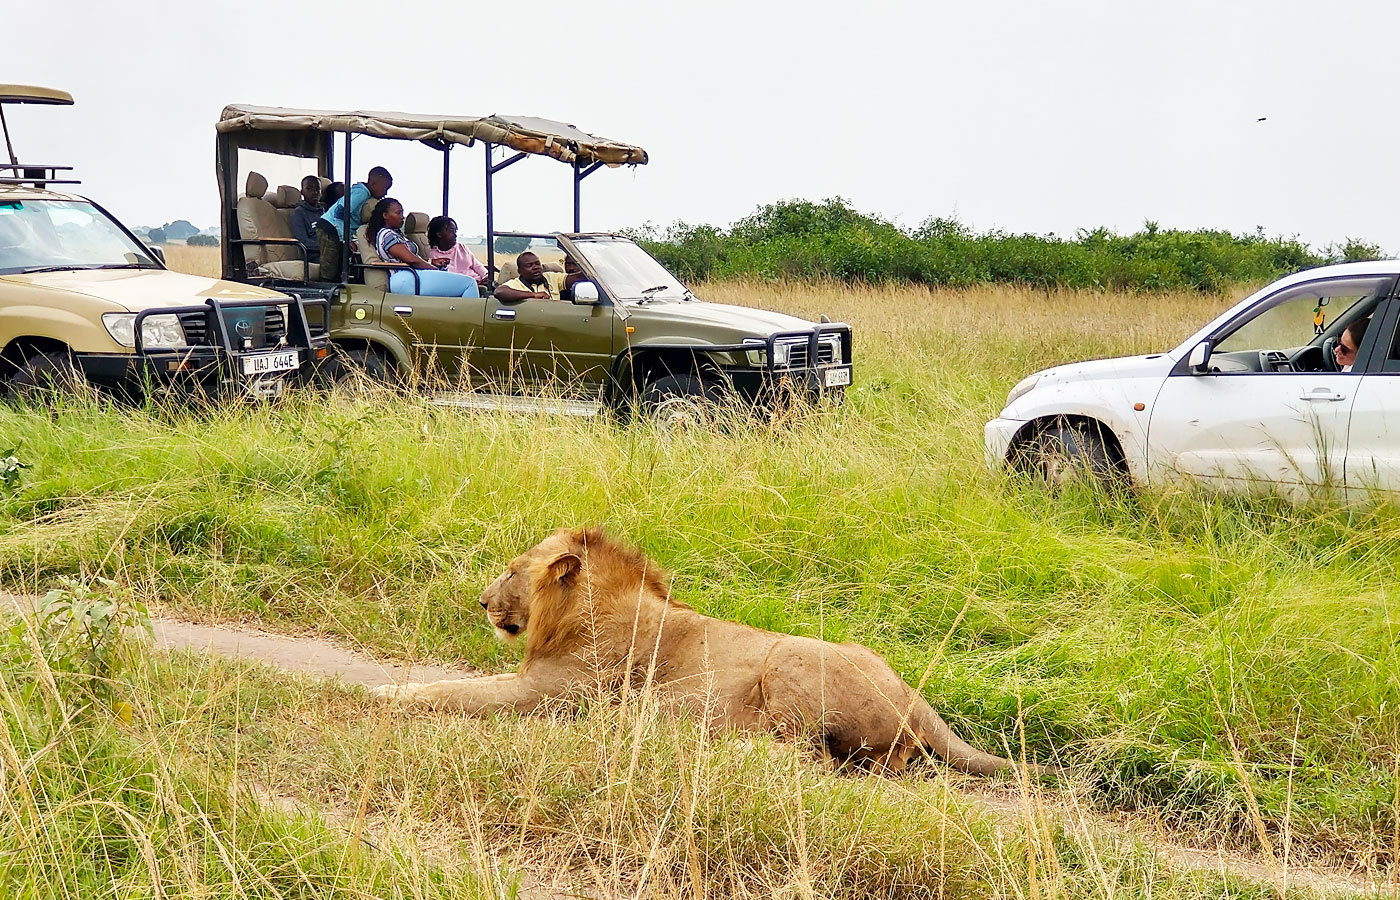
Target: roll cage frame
x: 310, y: 134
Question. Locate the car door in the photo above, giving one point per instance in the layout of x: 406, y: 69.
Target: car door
x: 443, y: 331
x: 544, y: 344
x: 1373, y: 440
x: 1270, y: 410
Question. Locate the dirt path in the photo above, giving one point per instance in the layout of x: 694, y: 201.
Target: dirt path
x: 311, y: 656
x: 324, y: 659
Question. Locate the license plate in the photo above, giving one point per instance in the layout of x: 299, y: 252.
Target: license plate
x: 265, y: 363
x: 838, y: 377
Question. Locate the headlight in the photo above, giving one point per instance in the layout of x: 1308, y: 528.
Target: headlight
x: 780, y: 354
x: 758, y: 355
x: 156, y: 331
x: 834, y: 342
x: 1022, y: 386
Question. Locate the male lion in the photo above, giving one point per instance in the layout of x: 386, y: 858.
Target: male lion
x: 595, y: 613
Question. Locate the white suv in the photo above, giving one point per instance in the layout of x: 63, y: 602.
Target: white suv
x: 1267, y: 395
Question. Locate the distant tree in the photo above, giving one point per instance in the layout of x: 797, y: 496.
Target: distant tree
x: 202, y: 240
x: 155, y: 236
x: 179, y: 229
x: 512, y: 244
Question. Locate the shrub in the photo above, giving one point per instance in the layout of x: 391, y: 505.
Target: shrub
x: 202, y: 240
x: 806, y: 240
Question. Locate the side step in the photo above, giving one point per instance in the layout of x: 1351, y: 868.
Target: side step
x: 559, y: 406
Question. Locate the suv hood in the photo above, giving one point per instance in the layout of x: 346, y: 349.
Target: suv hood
x: 742, y: 321
x: 133, y: 290
x: 1117, y: 367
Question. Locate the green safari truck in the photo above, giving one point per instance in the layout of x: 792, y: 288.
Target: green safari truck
x: 622, y: 334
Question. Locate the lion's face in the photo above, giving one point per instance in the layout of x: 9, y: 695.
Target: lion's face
x: 548, y: 564
x: 507, y: 602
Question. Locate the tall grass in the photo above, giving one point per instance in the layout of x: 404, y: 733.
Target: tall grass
x: 1229, y: 664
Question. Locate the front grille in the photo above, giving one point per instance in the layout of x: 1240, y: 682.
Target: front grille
x: 196, y: 325
x: 797, y: 355
x: 275, y: 326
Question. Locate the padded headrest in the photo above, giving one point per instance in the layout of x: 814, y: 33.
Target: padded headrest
x: 416, y: 223
x: 325, y: 182
x: 256, y: 186
x: 287, y: 197
x: 367, y: 209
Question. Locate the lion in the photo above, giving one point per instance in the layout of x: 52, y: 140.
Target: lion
x: 595, y: 612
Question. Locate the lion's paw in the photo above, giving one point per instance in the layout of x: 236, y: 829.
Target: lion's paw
x: 387, y: 692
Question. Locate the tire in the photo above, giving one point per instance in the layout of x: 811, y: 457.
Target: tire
x: 1067, y: 452
x: 350, y: 365
x: 679, y: 400
x: 45, y: 375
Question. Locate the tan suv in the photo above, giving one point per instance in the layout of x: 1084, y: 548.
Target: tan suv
x: 81, y: 297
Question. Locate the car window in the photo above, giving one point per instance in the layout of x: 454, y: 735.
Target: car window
x: 1301, y: 316
x: 36, y: 234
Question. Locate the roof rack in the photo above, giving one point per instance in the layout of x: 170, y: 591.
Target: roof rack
x: 30, y: 173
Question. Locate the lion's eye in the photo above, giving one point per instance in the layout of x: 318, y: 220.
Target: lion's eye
x: 510, y: 576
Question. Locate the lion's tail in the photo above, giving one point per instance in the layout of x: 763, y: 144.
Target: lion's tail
x: 938, y: 736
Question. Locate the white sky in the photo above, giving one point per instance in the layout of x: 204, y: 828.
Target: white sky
x: 1025, y: 116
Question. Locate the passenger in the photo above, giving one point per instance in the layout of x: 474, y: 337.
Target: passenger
x: 304, y: 217
x: 333, y: 192
x: 342, y: 219
x: 533, y: 282
x: 1349, y: 343
x: 386, y: 231
x: 442, y: 244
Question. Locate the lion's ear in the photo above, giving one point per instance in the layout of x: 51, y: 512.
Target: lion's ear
x: 563, y: 566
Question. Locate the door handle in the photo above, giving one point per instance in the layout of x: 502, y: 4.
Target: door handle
x: 404, y: 311
x: 1323, y: 393
x: 502, y: 313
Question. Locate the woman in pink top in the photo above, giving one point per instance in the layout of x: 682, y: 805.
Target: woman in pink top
x: 442, y: 244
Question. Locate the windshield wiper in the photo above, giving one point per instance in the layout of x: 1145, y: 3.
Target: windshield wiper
x: 144, y: 265
x: 650, y: 293
x: 36, y: 269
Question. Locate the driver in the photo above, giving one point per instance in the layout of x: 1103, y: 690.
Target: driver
x: 1349, y: 343
x: 533, y: 282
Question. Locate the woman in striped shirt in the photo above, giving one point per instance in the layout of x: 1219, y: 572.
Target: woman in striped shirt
x: 385, y: 231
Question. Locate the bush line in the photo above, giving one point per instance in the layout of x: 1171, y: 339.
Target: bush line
x: 799, y: 239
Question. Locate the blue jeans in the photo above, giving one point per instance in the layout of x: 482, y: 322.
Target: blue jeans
x: 433, y: 283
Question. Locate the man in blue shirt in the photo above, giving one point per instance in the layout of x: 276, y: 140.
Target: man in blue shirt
x: 340, y: 222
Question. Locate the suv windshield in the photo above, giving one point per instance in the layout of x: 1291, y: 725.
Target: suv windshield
x: 40, y: 235
x: 629, y: 272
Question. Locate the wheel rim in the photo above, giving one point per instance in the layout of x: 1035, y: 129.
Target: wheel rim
x: 678, y: 412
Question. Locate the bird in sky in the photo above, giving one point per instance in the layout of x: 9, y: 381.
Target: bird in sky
x: 1262, y: 119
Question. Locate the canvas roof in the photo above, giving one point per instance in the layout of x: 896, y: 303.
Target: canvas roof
x: 559, y: 140
x: 28, y: 93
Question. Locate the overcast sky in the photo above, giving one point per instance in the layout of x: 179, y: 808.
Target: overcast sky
x: 1025, y: 116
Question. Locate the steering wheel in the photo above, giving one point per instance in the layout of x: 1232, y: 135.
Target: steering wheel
x: 1329, y: 359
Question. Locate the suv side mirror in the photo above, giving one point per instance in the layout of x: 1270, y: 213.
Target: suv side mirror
x: 158, y: 253
x: 1199, y: 358
x: 586, y: 293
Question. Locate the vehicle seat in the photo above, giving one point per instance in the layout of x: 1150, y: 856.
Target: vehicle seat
x: 258, y: 218
x: 415, y: 228
x: 284, y: 201
x: 508, y: 272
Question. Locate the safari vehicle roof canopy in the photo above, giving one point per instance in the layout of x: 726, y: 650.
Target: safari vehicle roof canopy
x: 310, y: 133
x: 16, y: 172
x: 523, y: 133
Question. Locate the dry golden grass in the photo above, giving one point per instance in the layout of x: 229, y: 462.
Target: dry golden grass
x: 193, y: 260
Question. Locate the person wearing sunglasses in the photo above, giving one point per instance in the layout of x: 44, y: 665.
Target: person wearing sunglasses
x: 1350, y: 341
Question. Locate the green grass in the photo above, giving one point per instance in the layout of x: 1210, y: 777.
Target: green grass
x: 1183, y: 652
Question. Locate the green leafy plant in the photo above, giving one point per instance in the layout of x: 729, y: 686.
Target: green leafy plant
x: 83, y: 629
x: 10, y: 469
